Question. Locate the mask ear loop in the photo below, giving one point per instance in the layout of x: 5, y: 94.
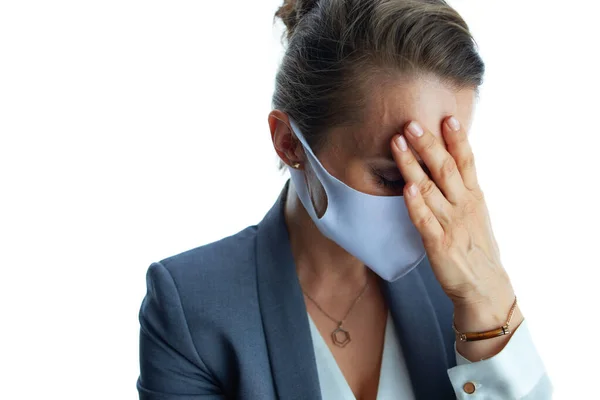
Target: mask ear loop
x: 315, y: 166
x: 318, y: 212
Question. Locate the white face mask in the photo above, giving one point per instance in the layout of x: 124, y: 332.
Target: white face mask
x: 375, y: 229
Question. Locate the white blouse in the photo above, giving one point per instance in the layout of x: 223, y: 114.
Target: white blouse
x: 394, y: 382
x: 517, y: 372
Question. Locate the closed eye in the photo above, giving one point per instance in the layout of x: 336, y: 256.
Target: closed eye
x: 397, y: 184
x: 391, y: 178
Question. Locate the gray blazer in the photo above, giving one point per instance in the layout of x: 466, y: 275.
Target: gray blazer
x: 228, y: 321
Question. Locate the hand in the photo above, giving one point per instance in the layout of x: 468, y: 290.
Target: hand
x: 451, y: 215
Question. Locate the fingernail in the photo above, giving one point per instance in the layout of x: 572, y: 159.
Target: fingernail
x: 453, y: 124
x: 415, y: 129
x: 412, y: 190
x: 402, y: 143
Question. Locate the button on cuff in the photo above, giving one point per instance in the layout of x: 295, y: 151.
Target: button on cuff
x: 469, y: 387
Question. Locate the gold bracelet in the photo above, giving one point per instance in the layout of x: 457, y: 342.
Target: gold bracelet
x: 473, y: 336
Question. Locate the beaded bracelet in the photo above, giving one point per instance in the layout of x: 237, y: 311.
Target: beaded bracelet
x: 473, y: 336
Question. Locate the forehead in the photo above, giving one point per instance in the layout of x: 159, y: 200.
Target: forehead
x: 394, y: 102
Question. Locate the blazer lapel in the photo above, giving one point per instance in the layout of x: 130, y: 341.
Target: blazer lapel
x: 420, y: 335
x: 287, y: 329
x: 284, y: 317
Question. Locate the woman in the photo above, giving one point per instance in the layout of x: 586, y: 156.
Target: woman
x: 376, y: 274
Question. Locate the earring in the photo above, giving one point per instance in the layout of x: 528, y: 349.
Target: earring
x: 296, y: 165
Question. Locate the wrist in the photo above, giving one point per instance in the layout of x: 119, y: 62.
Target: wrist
x: 484, y: 313
x: 484, y: 316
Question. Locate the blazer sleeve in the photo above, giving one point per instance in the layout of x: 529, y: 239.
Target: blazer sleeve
x: 170, y: 366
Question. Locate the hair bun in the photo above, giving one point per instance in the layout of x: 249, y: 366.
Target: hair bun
x: 292, y: 11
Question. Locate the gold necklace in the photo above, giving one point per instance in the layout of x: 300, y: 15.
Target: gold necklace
x: 340, y: 336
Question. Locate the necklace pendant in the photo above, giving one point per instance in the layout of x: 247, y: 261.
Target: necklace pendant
x: 340, y: 336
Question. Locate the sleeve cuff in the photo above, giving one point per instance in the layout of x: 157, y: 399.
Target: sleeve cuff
x: 510, y: 374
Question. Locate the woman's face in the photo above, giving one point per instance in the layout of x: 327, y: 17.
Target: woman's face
x: 361, y: 157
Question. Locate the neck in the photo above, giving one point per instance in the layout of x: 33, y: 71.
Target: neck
x: 320, y: 262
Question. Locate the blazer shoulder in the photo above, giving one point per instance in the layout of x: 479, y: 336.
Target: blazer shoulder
x: 196, y: 302
x: 214, y: 263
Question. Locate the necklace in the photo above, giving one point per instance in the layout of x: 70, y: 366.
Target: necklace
x: 340, y: 336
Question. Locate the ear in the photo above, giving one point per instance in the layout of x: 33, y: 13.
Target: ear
x: 288, y: 147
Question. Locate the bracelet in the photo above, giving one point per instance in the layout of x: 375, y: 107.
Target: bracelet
x: 473, y: 336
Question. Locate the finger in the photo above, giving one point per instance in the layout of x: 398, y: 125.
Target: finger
x: 439, y: 161
x: 412, y: 172
x: 422, y: 217
x: 458, y: 145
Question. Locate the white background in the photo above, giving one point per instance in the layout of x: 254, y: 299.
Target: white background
x: 134, y: 130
